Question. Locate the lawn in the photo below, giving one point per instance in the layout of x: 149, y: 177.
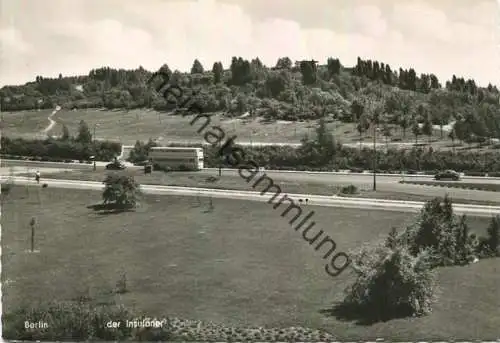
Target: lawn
x: 326, y: 186
x: 241, y: 264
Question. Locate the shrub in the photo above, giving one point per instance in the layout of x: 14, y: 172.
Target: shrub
x: 494, y: 174
x: 391, y: 282
x: 120, y: 190
x: 441, y: 232
x: 6, y: 188
x: 493, y: 239
x: 474, y: 173
x: 167, y: 168
x: 50, y: 150
x: 351, y: 189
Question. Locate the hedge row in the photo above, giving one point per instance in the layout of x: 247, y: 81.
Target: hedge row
x: 310, y: 156
x: 490, y: 187
x: 51, y: 149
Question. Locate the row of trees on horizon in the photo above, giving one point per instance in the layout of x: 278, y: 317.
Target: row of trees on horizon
x: 302, y: 90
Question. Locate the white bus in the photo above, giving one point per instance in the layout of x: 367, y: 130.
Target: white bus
x: 175, y: 157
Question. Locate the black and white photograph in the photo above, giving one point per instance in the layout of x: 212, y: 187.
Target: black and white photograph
x: 250, y: 170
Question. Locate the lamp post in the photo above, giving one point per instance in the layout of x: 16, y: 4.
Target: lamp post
x: 376, y: 117
x: 375, y: 156
x: 95, y: 147
x: 220, y: 159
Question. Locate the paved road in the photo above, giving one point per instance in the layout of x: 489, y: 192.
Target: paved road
x: 360, y: 203
x: 282, y: 174
x: 385, y: 183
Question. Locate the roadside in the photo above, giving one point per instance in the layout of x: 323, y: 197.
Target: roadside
x: 332, y: 187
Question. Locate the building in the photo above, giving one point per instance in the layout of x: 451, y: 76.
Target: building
x: 177, y: 157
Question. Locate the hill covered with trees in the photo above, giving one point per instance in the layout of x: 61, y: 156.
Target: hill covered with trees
x: 370, y: 91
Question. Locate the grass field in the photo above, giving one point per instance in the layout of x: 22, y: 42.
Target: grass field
x: 25, y: 124
x: 235, y: 182
x: 240, y: 264
x: 142, y: 124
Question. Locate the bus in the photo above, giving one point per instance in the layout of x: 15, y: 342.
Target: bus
x: 177, y: 157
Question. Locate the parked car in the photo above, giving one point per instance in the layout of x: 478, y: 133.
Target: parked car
x: 115, y: 165
x: 447, y: 175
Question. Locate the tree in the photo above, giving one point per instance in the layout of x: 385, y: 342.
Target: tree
x: 84, y: 135
x: 452, y: 136
x: 218, y: 71
x: 387, y: 132
x: 357, y: 110
x: 308, y: 71
x: 197, y: 67
x: 434, y: 82
x: 333, y: 66
x: 121, y: 191
x: 404, y: 106
x: 240, y: 71
x: 493, y: 238
x: 404, y: 123
x: 362, y: 127
x: 415, y: 129
x: 427, y: 127
x: 325, y: 141
x: 284, y: 63
x: 65, y: 136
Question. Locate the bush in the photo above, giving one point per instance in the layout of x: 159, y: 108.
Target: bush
x: 121, y: 191
x: 391, y: 282
x: 442, y: 233
x: 165, y: 168
x: 6, y: 188
x: 53, y: 150
x: 494, y: 174
x: 493, y: 239
x: 351, y: 189
x: 474, y: 173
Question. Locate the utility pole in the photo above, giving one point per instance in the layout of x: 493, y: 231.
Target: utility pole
x: 376, y: 117
x: 95, y: 147
x: 32, y: 224
x: 95, y: 150
x: 220, y: 159
x: 375, y: 156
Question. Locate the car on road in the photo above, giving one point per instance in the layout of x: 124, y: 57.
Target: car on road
x: 115, y: 165
x: 447, y: 175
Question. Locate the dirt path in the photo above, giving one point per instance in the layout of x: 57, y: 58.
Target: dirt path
x: 52, y: 122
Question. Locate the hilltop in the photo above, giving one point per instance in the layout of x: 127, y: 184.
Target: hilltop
x: 400, y: 99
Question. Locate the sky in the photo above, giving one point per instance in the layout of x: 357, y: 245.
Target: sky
x: 444, y: 37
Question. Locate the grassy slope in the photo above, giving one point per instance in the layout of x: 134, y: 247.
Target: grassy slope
x: 142, y: 124
x: 241, y: 264
x: 25, y: 124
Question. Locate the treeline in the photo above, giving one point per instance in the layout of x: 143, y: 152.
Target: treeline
x: 55, y: 150
x: 300, y: 90
x: 325, y: 153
